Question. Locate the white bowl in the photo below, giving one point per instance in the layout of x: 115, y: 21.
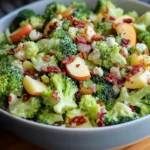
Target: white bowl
x: 59, y: 138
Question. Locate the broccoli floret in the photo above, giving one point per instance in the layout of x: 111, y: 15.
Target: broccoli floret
x: 3, y: 39
x: 61, y: 95
x: 39, y: 62
x: 105, y: 91
x: 22, y: 16
x: 37, y: 22
x: 110, y: 55
x: 52, y: 8
x: 27, y: 109
x: 3, y: 102
x: 81, y: 11
x: 133, y: 14
x: 66, y: 47
x: 89, y: 104
x: 144, y: 37
x: 66, y: 24
x: 136, y: 99
x: 120, y: 113
x: 45, y: 116
x: 29, y: 48
x: 10, y: 78
x: 104, y: 28
x: 102, y: 5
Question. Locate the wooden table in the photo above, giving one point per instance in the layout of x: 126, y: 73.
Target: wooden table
x: 8, y: 141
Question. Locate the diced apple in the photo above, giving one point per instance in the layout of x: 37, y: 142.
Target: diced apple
x: 138, y: 80
x: 127, y: 32
x: 122, y: 19
x: 32, y: 86
x: 137, y: 59
x: 78, y: 69
x: 18, y: 35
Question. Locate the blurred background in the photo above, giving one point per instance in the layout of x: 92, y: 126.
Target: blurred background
x: 7, y: 6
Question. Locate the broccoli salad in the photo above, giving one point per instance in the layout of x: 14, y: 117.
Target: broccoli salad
x: 76, y: 67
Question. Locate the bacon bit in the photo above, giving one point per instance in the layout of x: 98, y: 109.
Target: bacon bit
x: 68, y: 60
x: 29, y: 72
x: 10, y: 52
x: 81, y: 39
x: 100, y: 103
x: 83, y: 55
x: 78, y: 23
x: 110, y: 78
x: 78, y: 120
x: 70, y: 18
x: 46, y: 58
x: 97, y: 38
x: 53, y: 69
x: 26, y: 97
x: 112, y: 18
x: 92, y: 73
x: 77, y: 65
x: 131, y: 107
x: 125, y: 42
x: 9, y: 98
x: 127, y: 20
x: 55, y: 96
x: 53, y: 27
x: 52, y: 53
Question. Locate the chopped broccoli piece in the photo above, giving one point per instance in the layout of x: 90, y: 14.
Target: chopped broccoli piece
x: 89, y: 104
x: 45, y: 116
x: 3, y: 39
x: 110, y: 55
x: 102, y: 5
x: 10, y: 78
x: 52, y: 8
x: 27, y: 109
x: 3, y: 102
x: 30, y: 49
x: 61, y: 95
x: 22, y: 16
x: 105, y: 91
x: 81, y: 11
x: 136, y: 99
x: 104, y: 28
x: 134, y: 14
x: 66, y: 24
x: 120, y: 113
x: 144, y: 37
x: 39, y: 62
x: 37, y: 22
x: 116, y: 12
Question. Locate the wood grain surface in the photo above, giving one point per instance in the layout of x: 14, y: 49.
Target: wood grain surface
x: 9, y: 141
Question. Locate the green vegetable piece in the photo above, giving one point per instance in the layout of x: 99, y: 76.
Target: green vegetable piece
x: 27, y: 109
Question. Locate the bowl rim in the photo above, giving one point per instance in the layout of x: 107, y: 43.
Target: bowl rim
x: 60, y: 128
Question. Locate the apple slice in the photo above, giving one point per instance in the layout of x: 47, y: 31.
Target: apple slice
x: 127, y: 32
x: 123, y: 19
x: 18, y: 35
x: 33, y: 87
x: 78, y: 69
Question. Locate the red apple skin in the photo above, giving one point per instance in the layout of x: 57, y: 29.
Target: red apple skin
x: 18, y: 35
